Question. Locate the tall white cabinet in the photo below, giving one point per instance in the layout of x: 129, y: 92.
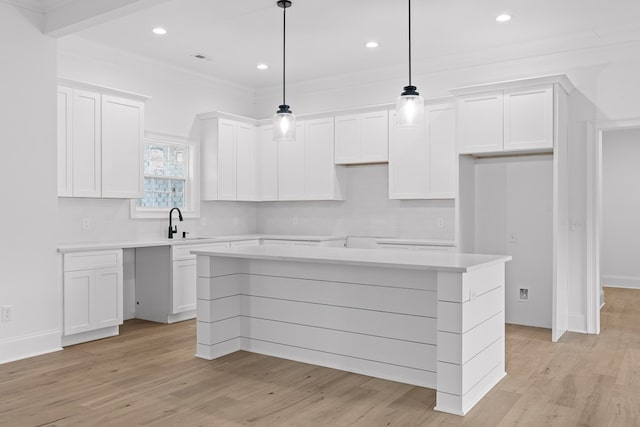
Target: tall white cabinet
x: 100, y: 148
x: 518, y: 205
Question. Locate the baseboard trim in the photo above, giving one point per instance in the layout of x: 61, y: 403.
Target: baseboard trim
x: 627, y: 282
x: 26, y: 346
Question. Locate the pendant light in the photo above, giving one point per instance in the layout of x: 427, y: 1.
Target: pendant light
x: 410, y: 105
x: 284, y: 122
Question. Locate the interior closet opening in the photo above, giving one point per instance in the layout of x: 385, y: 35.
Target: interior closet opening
x: 620, y: 210
x: 506, y: 208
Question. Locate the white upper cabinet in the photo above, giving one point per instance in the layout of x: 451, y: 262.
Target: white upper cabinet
x: 422, y: 161
x: 122, y: 149
x: 441, y: 134
x: 518, y: 117
x: 100, y: 149
x: 229, y: 169
x: 528, y: 118
x: 65, y: 142
x: 226, y: 160
x: 306, y: 169
x: 268, y: 170
x: 362, y: 138
x: 323, y: 177
x: 86, y: 166
x: 480, y: 124
x: 247, y: 162
x: 291, y: 166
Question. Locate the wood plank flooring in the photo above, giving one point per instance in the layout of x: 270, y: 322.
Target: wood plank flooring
x: 148, y: 376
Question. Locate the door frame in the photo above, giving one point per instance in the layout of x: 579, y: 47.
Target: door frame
x: 595, y: 298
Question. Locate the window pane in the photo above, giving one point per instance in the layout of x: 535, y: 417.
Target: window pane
x: 162, y: 193
x: 175, y: 164
x: 155, y: 160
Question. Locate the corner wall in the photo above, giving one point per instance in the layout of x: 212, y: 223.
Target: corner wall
x: 620, y: 209
x: 28, y: 216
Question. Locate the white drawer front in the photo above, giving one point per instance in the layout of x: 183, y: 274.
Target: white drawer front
x: 76, y: 261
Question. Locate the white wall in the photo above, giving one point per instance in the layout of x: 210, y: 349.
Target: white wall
x: 367, y: 211
x: 620, y: 264
x: 28, y: 173
x: 514, y: 216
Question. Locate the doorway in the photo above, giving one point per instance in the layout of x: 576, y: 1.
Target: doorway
x: 613, y: 237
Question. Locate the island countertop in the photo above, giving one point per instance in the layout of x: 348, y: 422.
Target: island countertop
x: 439, y: 261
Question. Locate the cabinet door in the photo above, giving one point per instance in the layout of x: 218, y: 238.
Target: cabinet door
x: 86, y: 165
x: 528, y: 118
x: 291, y: 166
x: 268, y: 165
x: 106, y: 301
x: 65, y: 141
x: 480, y: 124
x: 409, y: 174
x: 374, y: 145
x: 347, y: 139
x: 322, y: 182
x: 183, y: 286
x: 226, y: 160
x: 441, y: 122
x: 209, y: 158
x: 246, y: 162
x: 122, y: 148
x: 77, y: 301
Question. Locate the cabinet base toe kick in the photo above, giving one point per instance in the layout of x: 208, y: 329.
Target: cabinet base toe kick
x: 97, y: 334
x: 435, y: 328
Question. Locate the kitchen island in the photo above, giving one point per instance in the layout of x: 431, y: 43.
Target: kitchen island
x: 434, y: 320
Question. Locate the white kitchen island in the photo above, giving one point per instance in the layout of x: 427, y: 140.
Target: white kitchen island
x: 434, y: 320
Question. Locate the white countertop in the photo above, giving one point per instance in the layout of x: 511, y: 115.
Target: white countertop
x: 439, y: 261
x: 141, y: 243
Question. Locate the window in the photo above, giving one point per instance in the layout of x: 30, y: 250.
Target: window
x: 168, y: 178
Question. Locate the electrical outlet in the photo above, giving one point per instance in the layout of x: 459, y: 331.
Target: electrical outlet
x: 235, y: 220
x: 524, y: 294
x: 295, y: 220
x: 440, y: 222
x: 7, y: 313
x: 513, y: 237
x: 86, y: 223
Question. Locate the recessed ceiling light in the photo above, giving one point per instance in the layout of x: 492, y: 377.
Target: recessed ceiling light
x: 159, y: 31
x: 503, y: 18
x: 371, y: 44
x: 262, y: 66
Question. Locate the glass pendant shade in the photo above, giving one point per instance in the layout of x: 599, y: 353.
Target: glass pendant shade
x: 284, y: 125
x: 410, y: 109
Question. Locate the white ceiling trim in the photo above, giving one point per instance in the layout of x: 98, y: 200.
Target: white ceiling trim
x: 69, y: 16
x: 31, y: 5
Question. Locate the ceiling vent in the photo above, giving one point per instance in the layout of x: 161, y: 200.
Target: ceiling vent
x: 202, y: 56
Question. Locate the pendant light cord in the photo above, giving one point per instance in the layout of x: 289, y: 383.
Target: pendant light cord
x: 284, y: 51
x: 409, y: 42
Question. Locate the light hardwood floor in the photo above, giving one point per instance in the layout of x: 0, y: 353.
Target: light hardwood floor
x: 148, y: 376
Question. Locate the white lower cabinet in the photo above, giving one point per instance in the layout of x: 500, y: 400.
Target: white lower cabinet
x: 92, y: 295
x: 166, y: 279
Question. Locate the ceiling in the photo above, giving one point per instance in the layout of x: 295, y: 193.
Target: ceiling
x: 327, y: 37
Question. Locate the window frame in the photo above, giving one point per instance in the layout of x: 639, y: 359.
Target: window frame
x: 191, y: 188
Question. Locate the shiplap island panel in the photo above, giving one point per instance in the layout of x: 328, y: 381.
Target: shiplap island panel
x: 435, y: 320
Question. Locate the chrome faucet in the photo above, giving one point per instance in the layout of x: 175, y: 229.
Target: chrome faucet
x: 174, y: 229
